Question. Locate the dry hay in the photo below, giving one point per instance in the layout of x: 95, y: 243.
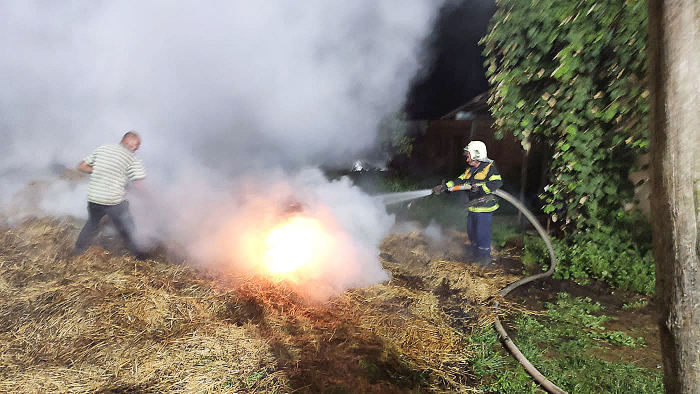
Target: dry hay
x: 107, y: 323
x: 413, y: 327
x: 442, y: 268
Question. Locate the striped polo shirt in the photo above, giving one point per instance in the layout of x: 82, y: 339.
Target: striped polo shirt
x: 113, y: 165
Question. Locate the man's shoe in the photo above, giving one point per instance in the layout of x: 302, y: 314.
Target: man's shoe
x: 469, y: 254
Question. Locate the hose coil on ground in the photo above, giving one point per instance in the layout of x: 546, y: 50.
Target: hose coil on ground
x: 536, y: 375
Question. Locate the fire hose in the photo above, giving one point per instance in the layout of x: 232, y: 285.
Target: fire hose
x: 536, y: 375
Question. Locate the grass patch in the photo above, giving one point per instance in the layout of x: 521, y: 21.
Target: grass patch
x: 640, y: 303
x: 501, y: 233
x: 560, y: 344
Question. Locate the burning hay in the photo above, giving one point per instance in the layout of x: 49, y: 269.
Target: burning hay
x: 107, y: 323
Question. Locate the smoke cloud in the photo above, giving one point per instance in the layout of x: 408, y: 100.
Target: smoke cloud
x: 236, y: 102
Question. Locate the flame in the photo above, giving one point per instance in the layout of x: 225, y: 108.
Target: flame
x: 293, y: 245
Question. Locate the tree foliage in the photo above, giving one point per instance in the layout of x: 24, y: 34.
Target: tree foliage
x: 572, y: 75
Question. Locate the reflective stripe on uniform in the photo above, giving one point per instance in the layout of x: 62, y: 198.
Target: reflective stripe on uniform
x: 483, y: 209
x: 481, y: 175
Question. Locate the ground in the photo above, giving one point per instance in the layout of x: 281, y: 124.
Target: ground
x: 105, y: 322
x: 636, y: 322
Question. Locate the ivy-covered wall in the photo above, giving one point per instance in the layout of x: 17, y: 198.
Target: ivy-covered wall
x: 571, y: 74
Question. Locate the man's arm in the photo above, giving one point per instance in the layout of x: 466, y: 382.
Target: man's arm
x: 84, y: 167
x: 139, y: 185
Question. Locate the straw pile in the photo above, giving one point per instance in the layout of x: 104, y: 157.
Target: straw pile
x: 108, y: 323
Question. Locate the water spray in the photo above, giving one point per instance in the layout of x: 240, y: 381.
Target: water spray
x: 393, y: 198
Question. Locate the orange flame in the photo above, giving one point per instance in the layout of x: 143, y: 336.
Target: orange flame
x: 293, y: 246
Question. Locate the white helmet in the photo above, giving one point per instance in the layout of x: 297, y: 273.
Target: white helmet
x: 477, y: 150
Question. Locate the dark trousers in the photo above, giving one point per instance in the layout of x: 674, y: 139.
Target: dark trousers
x: 120, y: 217
x: 479, y: 232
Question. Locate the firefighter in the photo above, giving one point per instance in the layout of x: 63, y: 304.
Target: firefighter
x: 480, y: 179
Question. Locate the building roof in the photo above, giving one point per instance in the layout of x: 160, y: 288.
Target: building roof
x: 476, y: 106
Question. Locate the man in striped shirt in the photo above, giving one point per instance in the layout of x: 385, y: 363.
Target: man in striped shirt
x: 110, y: 167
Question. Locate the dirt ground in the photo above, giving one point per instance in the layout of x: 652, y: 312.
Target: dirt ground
x: 636, y: 322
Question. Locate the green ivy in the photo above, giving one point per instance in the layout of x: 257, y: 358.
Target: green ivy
x: 572, y: 75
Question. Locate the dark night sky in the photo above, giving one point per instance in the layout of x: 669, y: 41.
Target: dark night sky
x: 453, y: 68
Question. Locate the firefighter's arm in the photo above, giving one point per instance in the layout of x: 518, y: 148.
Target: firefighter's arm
x: 457, y: 184
x: 463, y: 186
x: 493, y: 182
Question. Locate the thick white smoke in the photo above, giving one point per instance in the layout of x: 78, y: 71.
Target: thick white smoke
x: 226, y: 226
x: 221, y: 81
x: 232, y: 98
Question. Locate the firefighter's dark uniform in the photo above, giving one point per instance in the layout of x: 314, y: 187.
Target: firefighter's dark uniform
x: 488, y: 179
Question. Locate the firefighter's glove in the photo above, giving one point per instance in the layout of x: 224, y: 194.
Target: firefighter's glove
x: 440, y: 189
x: 474, y: 187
